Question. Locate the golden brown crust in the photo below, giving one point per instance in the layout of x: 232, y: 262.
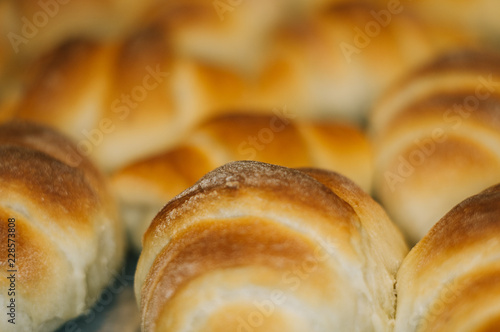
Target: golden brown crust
x: 369, y: 61
x: 144, y: 187
x: 269, y: 179
x: 41, y: 181
x: 267, y: 139
x: 54, y: 193
x: 274, y: 138
x: 436, y: 138
x: 212, y: 246
x: 449, y: 280
x: 484, y: 61
x: 372, y: 216
x: 254, y: 216
x: 119, y: 114
x: 471, y: 221
x: 32, y: 29
x: 52, y: 89
x: 37, y: 137
x: 461, y: 77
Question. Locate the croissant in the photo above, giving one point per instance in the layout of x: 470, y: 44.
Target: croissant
x: 144, y: 186
x: 450, y: 280
x: 125, y: 100
x: 59, y: 227
x: 259, y: 247
x: 436, y: 136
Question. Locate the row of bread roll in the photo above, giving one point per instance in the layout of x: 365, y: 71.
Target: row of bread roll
x: 437, y: 139
x: 145, y: 186
x: 33, y: 27
x: 250, y: 246
x: 258, y: 247
x: 125, y: 100
x: 342, y: 53
x: 66, y: 243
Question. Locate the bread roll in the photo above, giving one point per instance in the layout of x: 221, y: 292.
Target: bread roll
x: 331, y: 60
x: 346, y: 54
x: 117, y: 101
x: 254, y: 246
x: 32, y: 28
x: 450, y: 280
x: 437, y: 137
x: 145, y: 186
x: 125, y: 100
x: 69, y: 242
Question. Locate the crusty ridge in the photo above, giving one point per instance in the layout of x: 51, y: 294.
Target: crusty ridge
x: 65, y: 215
x: 449, y: 280
x: 145, y: 186
x: 246, y: 197
x: 436, y: 138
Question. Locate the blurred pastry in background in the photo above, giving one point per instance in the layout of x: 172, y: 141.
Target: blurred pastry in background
x: 125, y: 100
x: 145, y: 186
x: 474, y: 17
x: 436, y: 136
x: 343, y: 56
x: 34, y: 27
x: 232, y: 34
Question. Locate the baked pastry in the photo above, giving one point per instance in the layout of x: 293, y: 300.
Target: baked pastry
x: 145, y: 186
x: 60, y: 222
x: 345, y: 55
x: 436, y: 136
x: 268, y: 248
x: 132, y: 99
x: 330, y: 58
x: 129, y: 99
x: 450, y: 280
x: 31, y: 28
x: 116, y: 101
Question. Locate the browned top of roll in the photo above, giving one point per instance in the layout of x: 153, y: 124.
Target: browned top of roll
x: 250, y: 213
x: 473, y: 221
x: 50, y: 145
x: 64, y: 215
x: 271, y: 139
x: 44, y: 178
x: 460, y: 77
x: 271, y: 180
x: 450, y: 279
